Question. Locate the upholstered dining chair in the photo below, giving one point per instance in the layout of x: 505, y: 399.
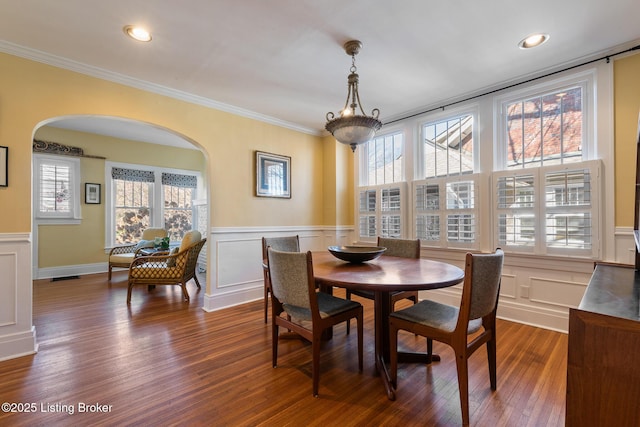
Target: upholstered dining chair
x: 476, y: 317
x: 122, y: 256
x: 404, y: 248
x: 308, y: 312
x: 176, y: 268
x: 284, y: 243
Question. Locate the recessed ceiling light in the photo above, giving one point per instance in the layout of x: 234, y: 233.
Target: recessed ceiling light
x: 137, y: 33
x: 533, y: 40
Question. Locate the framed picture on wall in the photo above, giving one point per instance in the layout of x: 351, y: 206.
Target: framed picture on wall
x: 273, y: 175
x: 92, y: 193
x: 4, y: 166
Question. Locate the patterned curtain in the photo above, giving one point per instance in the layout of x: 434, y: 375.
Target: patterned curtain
x: 177, y: 180
x: 132, y: 175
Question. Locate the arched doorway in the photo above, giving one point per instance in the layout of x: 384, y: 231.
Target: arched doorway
x: 97, y: 142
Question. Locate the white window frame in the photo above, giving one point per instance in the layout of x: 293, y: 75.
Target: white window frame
x: 443, y: 211
x: 379, y: 213
x: 585, y: 79
x: 540, y: 210
x: 156, y: 197
x: 471, y: 109
x: 451, y: 113
x: 363, y: 185
x: 74, y: 216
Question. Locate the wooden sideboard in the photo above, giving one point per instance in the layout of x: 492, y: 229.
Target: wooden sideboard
x: 603, y: 366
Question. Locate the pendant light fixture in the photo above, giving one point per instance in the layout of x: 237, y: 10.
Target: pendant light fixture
x: 351, y: 127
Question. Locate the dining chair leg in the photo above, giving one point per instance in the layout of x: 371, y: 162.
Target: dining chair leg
x: 491, y: 355
x: 266, y: 304
x: 463, y: 386
x: 315, y: 371
x: 274, y: 344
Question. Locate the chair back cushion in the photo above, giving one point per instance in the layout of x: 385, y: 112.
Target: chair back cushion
x: 152, y: 233
x: 190, y: 238
x: 486, y: 271
x: 284, y: 244
x: 289, y: 278
x: 400, y: 247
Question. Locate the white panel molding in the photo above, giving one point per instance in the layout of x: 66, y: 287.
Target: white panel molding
x: 565, y: 293
x: 9, y: 302
x: 17, y: 334
x: 508, y: 286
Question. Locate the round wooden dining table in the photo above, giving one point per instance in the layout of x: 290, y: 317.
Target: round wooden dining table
x: 384, y: 275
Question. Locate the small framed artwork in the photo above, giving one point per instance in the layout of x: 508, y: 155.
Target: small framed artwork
x: 92, y: 193
x: 4, y: 166
x: 273, y: 175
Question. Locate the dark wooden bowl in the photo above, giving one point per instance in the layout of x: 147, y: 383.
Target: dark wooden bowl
x: 356, y: 254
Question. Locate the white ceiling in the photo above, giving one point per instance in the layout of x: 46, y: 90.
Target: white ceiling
x: 282, y: 61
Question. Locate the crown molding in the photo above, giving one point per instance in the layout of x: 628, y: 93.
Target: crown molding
x: 67, y: 64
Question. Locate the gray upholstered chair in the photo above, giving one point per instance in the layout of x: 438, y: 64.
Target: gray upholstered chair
x: 122, y: 256
x: 395, y: 247
x: 286, y: 244
x: 452, y: 325
x: 176, y: 268
x: 308, y: 312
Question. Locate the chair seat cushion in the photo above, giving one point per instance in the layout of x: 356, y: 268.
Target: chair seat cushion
x: 126, y: 258
x: 435, y: 315
x: 328, y: 305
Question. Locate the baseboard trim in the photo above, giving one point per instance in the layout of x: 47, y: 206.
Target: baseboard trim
x: 18, y: 345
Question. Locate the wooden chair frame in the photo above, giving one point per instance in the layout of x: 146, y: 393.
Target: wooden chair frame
x: 273, y: 242
x: 318, y: 325
x: 458, y: 337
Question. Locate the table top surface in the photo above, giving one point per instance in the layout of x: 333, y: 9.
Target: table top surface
x: 386, y: 273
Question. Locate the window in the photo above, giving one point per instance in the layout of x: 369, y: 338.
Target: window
x: 445, y: 201
x: 179, y: 193
x: 133, y: 203
x: 381, y: 190
x: 140, y: 197
x: 448, y: 147
x: 549, y: 209
x: 546, y: 186
x: 57, y: 192
x: 519, y: 168
x: 545, y: 129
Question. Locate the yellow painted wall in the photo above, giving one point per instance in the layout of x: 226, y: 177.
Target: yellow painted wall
x: 32, y: 93
x: 85, y: 243
x: 627, y: 108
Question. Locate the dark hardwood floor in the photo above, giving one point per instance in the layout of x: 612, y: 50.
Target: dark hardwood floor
x: 162, y: 361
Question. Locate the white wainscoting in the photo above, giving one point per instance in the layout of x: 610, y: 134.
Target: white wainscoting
x: 17, y: 334
x: 536, y: 291
x: 235, y: 267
